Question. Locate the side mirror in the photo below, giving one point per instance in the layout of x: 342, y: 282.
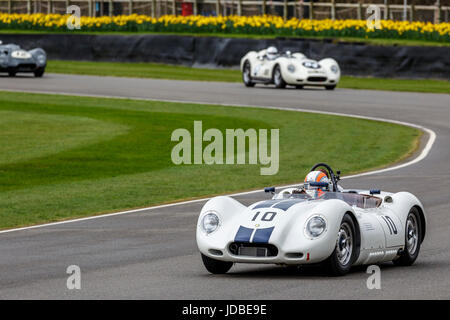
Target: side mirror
x: 269, y: 189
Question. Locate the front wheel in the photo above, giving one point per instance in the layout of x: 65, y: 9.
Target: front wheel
x: 345, y: 253
x: 216, y: 266
x: 39, y: 73
x: 11, y: 74
x: 278, y: 77
x: 246, y: 75
x: 413, y: 236
x: 330, y: 87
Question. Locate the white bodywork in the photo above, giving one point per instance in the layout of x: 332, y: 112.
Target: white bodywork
x: 281, y: 222
x: 294, y: 69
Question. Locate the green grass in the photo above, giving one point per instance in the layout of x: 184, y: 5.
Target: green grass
x: 65, y: 157
x: 376, y: 41
x: 161, y: 71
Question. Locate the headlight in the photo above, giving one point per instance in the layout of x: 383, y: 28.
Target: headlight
x: 291, y: 68
x: 315, y: 226
x: 334, y: 68
x: 20, y: 54
x: 210, y: 222
x: 41, y: 59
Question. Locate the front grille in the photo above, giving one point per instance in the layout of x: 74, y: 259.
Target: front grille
x: 27, y: 66
x: 253, y: 249
x: 317, y: 79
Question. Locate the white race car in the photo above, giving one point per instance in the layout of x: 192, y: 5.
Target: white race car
x: 316, y: 223
x: 269, y: 67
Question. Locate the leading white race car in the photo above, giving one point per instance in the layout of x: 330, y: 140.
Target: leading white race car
x: 269, y: 67
x: 319, y: 222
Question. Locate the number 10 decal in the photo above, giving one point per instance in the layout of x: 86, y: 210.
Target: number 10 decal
x: 268, y: 216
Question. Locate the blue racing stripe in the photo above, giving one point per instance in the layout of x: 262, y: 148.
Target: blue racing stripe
x: 262, y: 235
x: 243, y: 234
x: 266, y: 204
x: 284, y: 205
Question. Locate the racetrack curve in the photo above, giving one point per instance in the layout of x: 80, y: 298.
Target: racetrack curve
x: 152, y: 254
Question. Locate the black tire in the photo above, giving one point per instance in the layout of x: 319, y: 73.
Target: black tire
x: 246, y: 75
x: 12, y: 74
x: 277, y: 77
x: 216, y: 266
x: 39, y: 73
x: 334, y: 264
x: 330, y: 87
x: 299, y: 86
x: 407, y: 257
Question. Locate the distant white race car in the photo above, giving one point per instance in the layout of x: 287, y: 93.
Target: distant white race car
x: 338, y: 229
x: 270, y: 67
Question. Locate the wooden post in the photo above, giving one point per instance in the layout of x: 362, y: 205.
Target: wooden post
x: 153, y: 8
x: 333, y: 10
x: 264, y: 7
x: 28, y: 6
x: 9, y: 6
x: 386, y: 11
x: 311, y: 10
x: 359, y: 13
x: 413, y: 12
x: 111, y: 8
x: 217, y: 7
x: 195, y: 7
x: 49, y: 6
x: 90, y: 8
x: 239, y: 8
x: 174, y: 8
x: 130, y: 6
x: 285, y: 9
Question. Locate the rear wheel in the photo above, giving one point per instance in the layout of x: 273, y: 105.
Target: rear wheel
x: 278, y: 77
x: 12, y: 74
x: 330, y: 87
x: 299, y: 86
x: 345, y: 253
x: 216, y: 266
x: 413, y: 236
x: 246, y: 75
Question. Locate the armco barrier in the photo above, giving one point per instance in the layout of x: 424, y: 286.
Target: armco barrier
x: 354, y: 58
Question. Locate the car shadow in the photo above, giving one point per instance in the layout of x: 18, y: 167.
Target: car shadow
x: 299, y: 272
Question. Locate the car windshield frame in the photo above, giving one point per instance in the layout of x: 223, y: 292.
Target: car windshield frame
x: 362, y: 201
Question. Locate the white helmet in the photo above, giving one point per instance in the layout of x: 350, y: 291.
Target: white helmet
x: 316, y: 176
x: 272, y: 52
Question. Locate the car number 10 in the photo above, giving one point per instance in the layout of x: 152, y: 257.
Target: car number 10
x: 268, y: 216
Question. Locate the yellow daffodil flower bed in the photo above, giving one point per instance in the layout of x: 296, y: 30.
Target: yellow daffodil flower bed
x: 252, y: 25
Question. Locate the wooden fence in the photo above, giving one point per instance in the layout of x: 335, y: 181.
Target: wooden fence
x: 285, y: 8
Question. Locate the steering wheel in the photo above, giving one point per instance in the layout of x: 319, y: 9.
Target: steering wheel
x: 334, y: 178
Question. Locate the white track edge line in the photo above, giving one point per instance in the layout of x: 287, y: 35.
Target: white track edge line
x: 425, y: 151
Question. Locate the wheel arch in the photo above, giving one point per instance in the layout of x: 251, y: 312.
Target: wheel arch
x: 423, y: 222
x: 357, y: 231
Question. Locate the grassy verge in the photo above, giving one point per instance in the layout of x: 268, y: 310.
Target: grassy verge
x: 161, y: 71
x: 376, y: 41
x: 64, y: 157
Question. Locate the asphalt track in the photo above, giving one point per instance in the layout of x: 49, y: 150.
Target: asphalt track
x: 151, y: 254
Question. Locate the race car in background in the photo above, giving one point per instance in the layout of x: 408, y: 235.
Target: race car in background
x: 270, y: 67
x: 13, y: 60
x: 318, y: 222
